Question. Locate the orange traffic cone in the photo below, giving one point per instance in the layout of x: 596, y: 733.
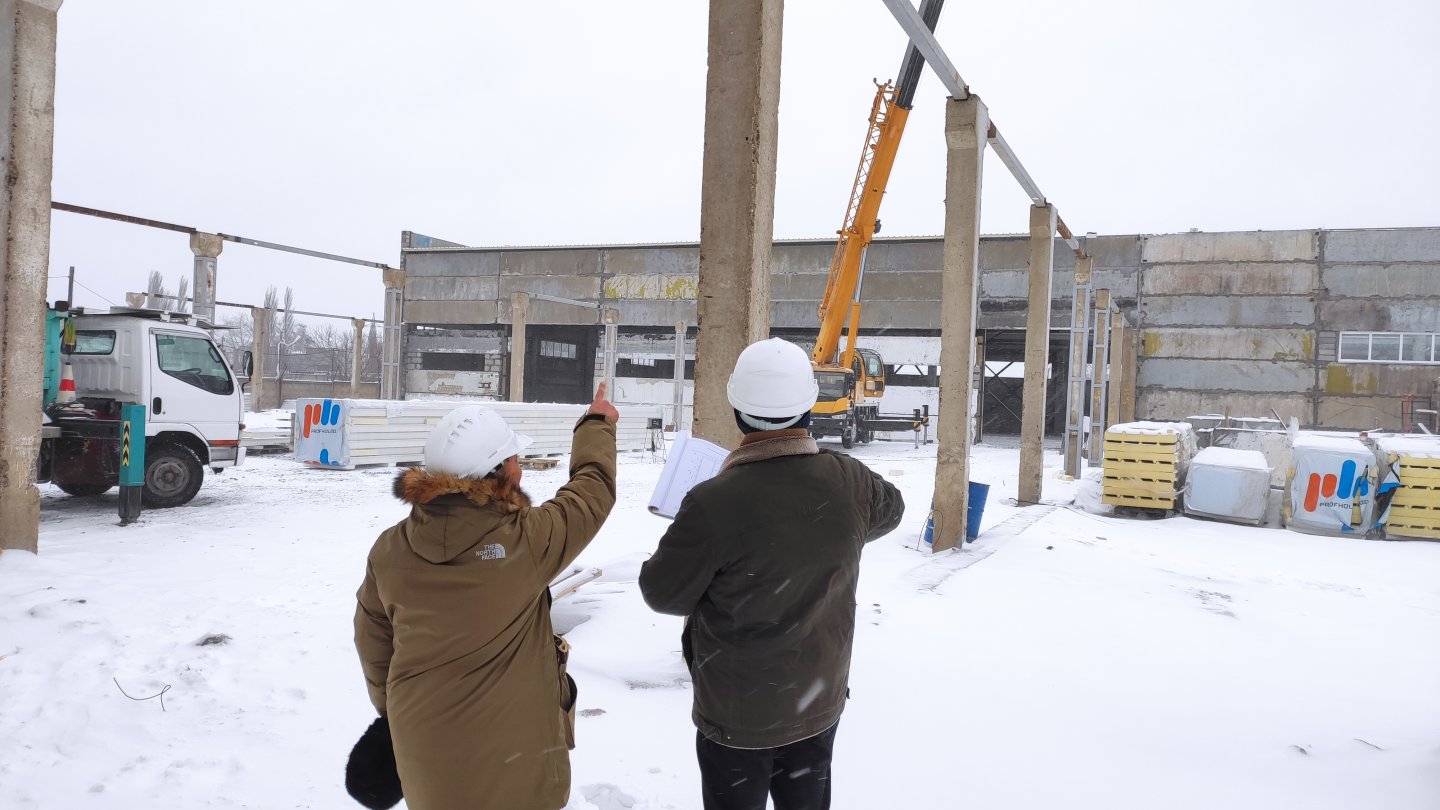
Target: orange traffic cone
x: 67, y: 384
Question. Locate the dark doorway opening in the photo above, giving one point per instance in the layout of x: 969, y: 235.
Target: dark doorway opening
x: 560, y: 363
x: 1002, y: 396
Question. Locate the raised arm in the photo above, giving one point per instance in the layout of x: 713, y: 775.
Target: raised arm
x: 563, y: 526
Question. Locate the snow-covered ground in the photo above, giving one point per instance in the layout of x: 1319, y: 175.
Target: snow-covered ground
x: 1065, y: 660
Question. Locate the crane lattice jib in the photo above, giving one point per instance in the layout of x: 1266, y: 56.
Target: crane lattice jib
x: 877, y: 158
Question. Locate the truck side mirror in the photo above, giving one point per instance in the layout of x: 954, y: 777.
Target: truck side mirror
x: 247, y: 364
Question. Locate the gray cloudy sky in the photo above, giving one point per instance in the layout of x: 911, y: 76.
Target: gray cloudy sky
x: 335, y: 124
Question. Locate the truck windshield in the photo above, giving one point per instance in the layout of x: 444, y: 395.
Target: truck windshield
x: 195, y: 361
x: 833, y: 385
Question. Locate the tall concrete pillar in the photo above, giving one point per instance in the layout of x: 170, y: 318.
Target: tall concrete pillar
x: 357, y: 356
x: 1037, y: 352
x: 1128, y: 368
x: 519, y: 317
x: 392, y: 340
x: 27, y: 130
x: 737, y: 200
x: 1118, y: 337
x: 966, y: 123
x: 259, y: 340
x: 206, y: 247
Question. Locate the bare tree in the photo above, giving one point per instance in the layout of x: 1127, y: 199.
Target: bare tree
x: 156, y: 296
x: 337, y: 344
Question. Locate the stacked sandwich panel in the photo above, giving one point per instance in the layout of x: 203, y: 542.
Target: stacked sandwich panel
x: 1145, y: 463
x: 1415, y: 509
x: 381, y: 432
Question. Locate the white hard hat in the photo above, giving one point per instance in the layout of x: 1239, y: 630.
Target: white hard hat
x: 773, y: 378
x: 471, y: 441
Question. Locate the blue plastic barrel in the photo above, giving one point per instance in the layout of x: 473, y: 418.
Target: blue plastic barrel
x: 974, y: 510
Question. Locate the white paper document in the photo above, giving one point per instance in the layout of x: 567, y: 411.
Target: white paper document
x: 691, y: 461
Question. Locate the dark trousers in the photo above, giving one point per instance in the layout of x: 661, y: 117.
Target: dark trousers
x: 796, y: 776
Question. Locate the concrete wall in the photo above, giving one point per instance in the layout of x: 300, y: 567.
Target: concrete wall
x: 1246, y: 322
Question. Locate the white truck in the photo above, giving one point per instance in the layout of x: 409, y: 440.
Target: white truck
x: 194, y: 405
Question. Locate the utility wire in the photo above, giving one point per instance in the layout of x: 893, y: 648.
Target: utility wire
x: 102, y: 298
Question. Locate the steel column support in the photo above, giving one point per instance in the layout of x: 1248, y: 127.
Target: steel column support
x: 1100, y: 362
x: 1075, y: 394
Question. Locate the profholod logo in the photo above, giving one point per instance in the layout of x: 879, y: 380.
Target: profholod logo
x: 324, y: 414
x: 1345, y: 485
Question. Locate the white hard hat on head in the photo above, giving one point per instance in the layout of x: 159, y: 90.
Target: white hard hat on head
x: 471, y: 441
x: 773, y: 378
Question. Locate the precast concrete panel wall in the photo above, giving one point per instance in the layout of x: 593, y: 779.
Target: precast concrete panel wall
x: 1227, y: 324
x: 1244, y: 322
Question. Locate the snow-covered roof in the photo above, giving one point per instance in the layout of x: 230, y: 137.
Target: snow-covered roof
x: 1229, y: 457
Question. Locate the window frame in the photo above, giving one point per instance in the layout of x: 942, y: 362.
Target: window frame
x: 1402, y: 338
x: 89, y: 332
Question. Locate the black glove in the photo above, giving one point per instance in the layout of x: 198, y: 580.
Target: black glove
x: 370, y: 775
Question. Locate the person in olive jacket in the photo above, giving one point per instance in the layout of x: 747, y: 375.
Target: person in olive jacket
x: 763, y: 561
x: 453, y: 622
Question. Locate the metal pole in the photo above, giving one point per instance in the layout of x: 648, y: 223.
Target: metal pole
x: 70, y: 293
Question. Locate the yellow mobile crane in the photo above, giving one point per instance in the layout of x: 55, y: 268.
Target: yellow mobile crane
x: 852, y: 382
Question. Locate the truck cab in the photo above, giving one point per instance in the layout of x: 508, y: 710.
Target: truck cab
x: 193, y: 402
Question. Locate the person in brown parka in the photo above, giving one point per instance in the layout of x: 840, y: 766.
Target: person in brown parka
x: 453, y: 621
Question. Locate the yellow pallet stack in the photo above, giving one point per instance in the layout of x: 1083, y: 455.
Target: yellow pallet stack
x: 1143, y: 466
x: 1415, y: 511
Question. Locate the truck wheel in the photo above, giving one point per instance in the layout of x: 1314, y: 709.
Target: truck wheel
x: 847, y: 437
x: 172, y: 476
x: 77, y: 490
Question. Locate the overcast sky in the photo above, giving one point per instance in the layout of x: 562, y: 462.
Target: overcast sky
x: 336, y: 124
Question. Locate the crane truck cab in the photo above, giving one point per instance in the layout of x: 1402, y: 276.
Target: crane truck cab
x: 849, y: 399
x: 194, y: 405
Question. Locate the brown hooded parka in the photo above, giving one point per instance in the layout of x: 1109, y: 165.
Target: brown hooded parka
x: 454, y: 635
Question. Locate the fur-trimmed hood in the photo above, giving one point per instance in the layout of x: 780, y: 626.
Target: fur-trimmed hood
x: 418, y: 486
x: 440, y: 527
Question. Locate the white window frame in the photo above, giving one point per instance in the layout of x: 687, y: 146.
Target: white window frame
x: 1370, y: 348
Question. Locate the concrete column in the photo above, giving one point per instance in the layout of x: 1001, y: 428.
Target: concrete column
x: 1130, y: 365
x: 679, y: 407
x: 206, y: 247
x: 27, y: 129
x: 966, y: 123
x: 392, y: 344
x: 259, y: 339
x: 357, y: 354
x: 737, y: 200
x: 1118, y: 336
x: 1100, y: 362
x: 519, y: 316
x: 1037, y: 352
x: 1075, y: 391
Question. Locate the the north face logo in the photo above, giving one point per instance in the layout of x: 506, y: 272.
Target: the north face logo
x: 492, y: 551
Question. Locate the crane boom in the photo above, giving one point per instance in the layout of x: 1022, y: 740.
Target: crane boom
x: 888, y: 113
